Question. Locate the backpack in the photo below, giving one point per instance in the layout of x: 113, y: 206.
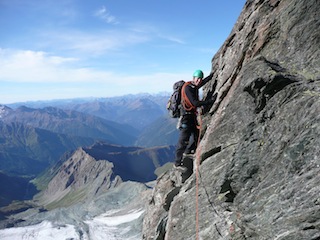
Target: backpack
x: 174, y: 102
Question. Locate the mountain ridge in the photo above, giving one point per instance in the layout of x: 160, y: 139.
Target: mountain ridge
x: 72, y: 123
x: 144, y: 112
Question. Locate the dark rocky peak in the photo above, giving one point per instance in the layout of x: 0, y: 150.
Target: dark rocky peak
x: 260, y: 141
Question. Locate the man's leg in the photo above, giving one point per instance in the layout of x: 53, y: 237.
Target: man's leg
x: 191, y: 148
x: 183, y: 142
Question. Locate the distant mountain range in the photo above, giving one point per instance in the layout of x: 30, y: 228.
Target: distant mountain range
x: 72, y: 123
x: 145, y: 113
x: 137, y: 111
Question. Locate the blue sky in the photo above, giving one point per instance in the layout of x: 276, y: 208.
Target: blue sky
x: 53, y: 49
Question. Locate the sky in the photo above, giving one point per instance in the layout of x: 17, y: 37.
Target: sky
x: 62, y: 49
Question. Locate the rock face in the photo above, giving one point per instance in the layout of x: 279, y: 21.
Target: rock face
x: 260, y: 143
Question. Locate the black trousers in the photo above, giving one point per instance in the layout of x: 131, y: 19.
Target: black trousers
x: 188, y: 139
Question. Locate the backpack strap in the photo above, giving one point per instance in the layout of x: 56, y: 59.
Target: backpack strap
x: 186, y: 103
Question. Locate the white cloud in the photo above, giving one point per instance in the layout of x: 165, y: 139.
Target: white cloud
x: 97, y: 43
x: 106, y: 16
x: 31, y: 66
x: 172, y: 39
x: 143, y: 28
x: 40, y: 67
x: 28, y: 75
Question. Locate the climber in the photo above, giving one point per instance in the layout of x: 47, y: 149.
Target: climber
x: 188, y: 123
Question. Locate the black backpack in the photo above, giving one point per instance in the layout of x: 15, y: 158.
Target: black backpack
x: 174, y: 103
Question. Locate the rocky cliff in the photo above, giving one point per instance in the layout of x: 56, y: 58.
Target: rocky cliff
x: 260, y: 144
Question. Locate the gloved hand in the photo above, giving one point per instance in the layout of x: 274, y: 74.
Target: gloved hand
x: 210, y: 75
x: 211, y: 100
x: 208, y: 78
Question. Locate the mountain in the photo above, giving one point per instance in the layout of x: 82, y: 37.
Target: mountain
x: 32, y: 140
x: 4, y: 111
x: 72, y: 123
x: 87, y: 193
x: 90, y: 171
x: 161, y: 132
x: 25, y: 150
x: 258, y: 176
x: 78, y: 178
x: 137, y: 110
x: 145, y: 113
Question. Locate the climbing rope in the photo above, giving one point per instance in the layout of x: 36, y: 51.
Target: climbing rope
x: 198, y: 154
x: 189, y: 107
x: 198, y: 176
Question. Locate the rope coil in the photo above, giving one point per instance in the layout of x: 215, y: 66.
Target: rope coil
x: 186, y: 103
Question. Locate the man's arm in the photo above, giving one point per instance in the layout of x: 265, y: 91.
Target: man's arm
x: 206, y: 79
x: 192, y: 95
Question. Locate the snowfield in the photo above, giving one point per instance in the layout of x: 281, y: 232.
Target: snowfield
x: 104, y: 227
x: 108, y: 226
x: 45, y: 230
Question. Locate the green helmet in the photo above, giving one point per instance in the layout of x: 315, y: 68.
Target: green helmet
x: 198, y: 73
